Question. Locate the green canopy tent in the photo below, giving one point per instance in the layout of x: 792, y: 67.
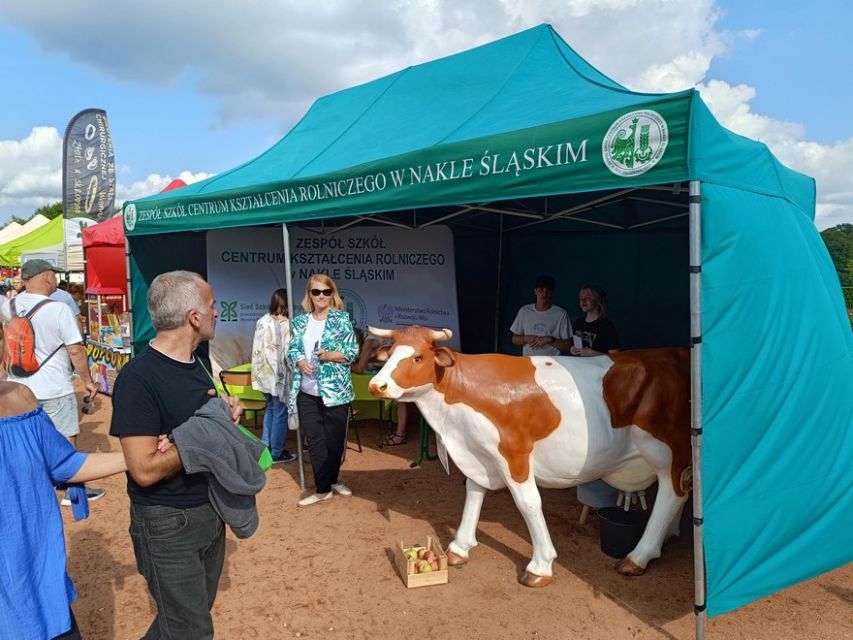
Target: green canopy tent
x: 48, y: 235
x: 539, y: 163
x: 58, y: 241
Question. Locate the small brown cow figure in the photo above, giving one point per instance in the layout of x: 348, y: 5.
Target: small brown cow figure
x: 555, y: 422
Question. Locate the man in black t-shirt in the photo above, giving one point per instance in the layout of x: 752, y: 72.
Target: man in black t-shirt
x: 178, y: 538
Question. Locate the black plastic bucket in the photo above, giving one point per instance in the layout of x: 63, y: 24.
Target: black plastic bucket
x: 620, y: 530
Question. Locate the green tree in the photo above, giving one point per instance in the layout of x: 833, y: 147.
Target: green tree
x: 49, y: 211
x: 839, y: 242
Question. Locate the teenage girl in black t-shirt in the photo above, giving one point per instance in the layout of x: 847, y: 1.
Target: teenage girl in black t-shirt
x: 596, y: 331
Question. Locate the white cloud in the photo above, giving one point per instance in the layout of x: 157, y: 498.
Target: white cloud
x: 30, y: 171
x: 31, y: 175
x: 263, y: 60
x: 154, y: 183
x: 268, y: 61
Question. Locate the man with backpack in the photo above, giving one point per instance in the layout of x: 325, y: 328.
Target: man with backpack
x: 42, y: 347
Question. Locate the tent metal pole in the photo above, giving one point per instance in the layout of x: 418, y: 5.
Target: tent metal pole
x: 129, y: 298
x: 288, y: 281
x: 695, y: 225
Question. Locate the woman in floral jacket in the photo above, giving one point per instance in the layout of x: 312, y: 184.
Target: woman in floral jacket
x: 271, y: 373
x: 322, y: 347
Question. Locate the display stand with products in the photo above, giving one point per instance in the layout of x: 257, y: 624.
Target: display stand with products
x: 108, y: 335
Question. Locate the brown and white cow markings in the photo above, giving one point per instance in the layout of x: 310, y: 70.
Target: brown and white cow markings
x: 582, y: 407
x: 502, y: 388
x: 649, y: 388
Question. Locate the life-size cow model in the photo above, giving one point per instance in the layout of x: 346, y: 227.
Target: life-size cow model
x: 555, y: 422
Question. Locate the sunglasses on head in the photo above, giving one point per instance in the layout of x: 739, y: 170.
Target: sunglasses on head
x: 325, y: 292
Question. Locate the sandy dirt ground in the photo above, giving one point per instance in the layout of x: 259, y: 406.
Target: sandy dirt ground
x: 328, y: 571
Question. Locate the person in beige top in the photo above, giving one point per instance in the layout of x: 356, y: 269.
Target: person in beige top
x: 271, y: 373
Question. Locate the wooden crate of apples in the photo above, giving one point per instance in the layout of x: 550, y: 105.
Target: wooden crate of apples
x: 421, y: 565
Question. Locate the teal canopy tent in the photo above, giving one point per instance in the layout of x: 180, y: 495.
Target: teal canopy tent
x: 539, y: 163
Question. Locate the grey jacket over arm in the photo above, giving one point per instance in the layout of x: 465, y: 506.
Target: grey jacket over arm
x: 209, y: 442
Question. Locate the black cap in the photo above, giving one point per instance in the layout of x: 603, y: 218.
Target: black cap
x: 32, y: 268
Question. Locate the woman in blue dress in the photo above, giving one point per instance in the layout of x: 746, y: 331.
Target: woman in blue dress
x: 35, y: 590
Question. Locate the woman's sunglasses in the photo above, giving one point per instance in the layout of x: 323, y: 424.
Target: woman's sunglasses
x: 325, y: 292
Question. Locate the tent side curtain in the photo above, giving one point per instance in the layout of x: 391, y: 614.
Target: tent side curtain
x: 777, y: 406
x: 149, y: 257
x: 106, y: 268
x: 561, y: 157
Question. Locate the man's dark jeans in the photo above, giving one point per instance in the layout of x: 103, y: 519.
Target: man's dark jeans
x: 180, y: 553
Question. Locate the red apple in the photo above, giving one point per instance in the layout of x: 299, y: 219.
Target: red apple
x: 429, y: 556
x: 422, y: 553
x: 435, y: 565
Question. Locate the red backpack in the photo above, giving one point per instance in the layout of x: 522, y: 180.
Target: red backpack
x: 19, y: 357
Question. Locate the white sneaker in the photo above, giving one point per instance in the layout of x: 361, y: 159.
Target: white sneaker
x: 313, y: 499
x: 342, y: 489
x: 91, y: 496
x: 94, y: 494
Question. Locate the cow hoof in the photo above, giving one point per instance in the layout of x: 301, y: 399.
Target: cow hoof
x: 455, y: 560
x: 533, y: 581
x: 628, y: 567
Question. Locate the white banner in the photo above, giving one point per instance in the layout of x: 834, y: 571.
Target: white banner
x: 244, y: 267
x: 388, y: 277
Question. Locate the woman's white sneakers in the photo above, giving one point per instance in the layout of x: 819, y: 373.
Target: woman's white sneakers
x: 342, y: 490
x: 314, y: 498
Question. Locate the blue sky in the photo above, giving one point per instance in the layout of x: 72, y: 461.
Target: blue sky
x: 191, y: 91
x: 797, y: 64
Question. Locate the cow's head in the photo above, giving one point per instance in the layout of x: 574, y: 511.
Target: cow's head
x: 412, y: 362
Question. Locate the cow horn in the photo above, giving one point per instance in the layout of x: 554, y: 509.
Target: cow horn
x: 381, y: 333
x: 441, y: 336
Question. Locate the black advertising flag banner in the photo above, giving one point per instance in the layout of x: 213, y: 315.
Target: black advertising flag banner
x: 88, y: 167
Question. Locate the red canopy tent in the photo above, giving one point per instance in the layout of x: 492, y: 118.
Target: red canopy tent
x: 106, y: 269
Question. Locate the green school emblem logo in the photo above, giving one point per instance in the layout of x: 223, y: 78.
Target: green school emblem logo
x: 229, y: 311
x: 130, y: 216
x: 635, y: 143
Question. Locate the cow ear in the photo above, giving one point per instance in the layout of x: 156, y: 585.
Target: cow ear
x: 381, y: 354
x: 444, y: 357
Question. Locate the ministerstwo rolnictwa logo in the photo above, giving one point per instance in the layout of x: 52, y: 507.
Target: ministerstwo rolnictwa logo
x: 635, y: 143
x: 130, y: 216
